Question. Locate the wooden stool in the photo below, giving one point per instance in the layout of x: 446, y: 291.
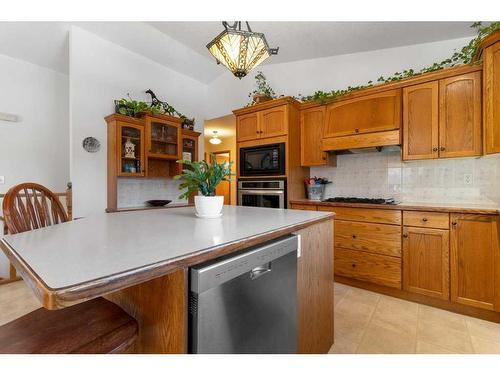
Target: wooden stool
x: 96, y: 326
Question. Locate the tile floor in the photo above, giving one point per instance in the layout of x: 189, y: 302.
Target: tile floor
x: 365, y: 322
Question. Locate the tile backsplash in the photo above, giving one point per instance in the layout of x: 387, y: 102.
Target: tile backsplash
x: 134, y: 192
x: 463, y: 180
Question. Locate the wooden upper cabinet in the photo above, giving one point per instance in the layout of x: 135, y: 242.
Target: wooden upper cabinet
x: 475, y: 260
x: 491, y: 86
x: 421, y: 121
x: 247, y: 127
x: 273, y: 122
x: 426, y: 267
x: 460, y: 116
x: 366, y: 114
x: 311, y: 131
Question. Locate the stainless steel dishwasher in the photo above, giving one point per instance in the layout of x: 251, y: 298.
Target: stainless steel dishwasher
x: 246, y: 303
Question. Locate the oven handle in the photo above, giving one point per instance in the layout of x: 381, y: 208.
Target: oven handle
x: 245, y: 191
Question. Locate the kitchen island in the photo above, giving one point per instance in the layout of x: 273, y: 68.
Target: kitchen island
x: 140, y: 261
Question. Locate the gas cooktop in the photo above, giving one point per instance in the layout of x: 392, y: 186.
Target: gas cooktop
x: 361, y: 200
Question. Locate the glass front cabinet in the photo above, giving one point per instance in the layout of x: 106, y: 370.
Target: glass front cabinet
x: 163, y: 138
x: 130, y: 149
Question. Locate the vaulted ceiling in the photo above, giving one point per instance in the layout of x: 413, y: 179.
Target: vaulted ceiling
x: 181, y: 45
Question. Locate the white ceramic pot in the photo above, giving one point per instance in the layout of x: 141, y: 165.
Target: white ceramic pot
x: 208, y: 207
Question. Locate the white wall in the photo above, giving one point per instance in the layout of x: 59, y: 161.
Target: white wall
x: 36, y: 149
x: 337, y: 72
x: 100, y: 72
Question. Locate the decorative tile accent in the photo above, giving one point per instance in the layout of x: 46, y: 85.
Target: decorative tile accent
x: 134, y: 192
x: 463, y: 180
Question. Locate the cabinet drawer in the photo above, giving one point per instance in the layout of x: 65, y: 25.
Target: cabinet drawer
x: 439, y: 220
x: 306, y: 207
x: 373, y: 238
x: 370, y: 215
x: 373, y: 268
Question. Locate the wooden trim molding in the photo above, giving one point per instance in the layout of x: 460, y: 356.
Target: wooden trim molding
x: 266, y: 105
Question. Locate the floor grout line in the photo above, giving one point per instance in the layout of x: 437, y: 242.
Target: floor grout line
x: 365, y: 329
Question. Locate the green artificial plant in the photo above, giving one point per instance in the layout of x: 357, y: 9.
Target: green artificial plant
x: 262, y: 88
x: 203, y: 177
x: 135, y: 108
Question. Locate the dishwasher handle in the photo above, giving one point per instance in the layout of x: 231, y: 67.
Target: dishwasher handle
x: 260, y: 271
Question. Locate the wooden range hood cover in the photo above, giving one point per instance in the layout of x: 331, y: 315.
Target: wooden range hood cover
x: 369, y: 141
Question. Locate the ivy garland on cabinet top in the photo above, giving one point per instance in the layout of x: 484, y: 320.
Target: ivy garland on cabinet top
x: 464, y: 56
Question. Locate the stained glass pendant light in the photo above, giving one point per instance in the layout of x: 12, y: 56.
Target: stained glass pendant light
x: 240, y: 50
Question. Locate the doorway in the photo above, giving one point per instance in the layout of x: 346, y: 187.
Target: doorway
x: 224, y: 188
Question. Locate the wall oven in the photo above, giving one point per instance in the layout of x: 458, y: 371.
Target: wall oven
x: 266, y: 193
x: 266, y: 160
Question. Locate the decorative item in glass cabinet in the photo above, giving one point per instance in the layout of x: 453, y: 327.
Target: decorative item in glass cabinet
x: 129, y: 149
x: 215, y: 140
x: 240, y: 50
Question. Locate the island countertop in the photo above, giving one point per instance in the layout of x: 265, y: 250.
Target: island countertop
x: 99, y: 254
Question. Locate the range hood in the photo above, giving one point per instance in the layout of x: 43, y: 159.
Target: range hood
x: 360, y: 143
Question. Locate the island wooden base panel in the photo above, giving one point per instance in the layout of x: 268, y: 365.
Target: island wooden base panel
x: 315, y: 288
x: 489, y: 315
x: 160, y: 308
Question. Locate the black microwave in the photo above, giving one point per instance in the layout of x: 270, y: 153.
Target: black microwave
x: 267, y: 160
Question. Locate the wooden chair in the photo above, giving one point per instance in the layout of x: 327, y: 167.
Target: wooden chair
x: 96, y: 326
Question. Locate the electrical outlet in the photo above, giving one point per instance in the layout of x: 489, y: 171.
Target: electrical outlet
x: 467, y: 179
x: 2, y: 180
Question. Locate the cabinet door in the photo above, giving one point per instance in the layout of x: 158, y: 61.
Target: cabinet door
x: 311, y: 131
x: 491, y: 85
x: 426, y: 263
x: 273, y: 122
x: 367, y: 114
x: 420, y: 121
x: 460, y: 116
x: 130, y: 148
x: 475, y: 261
x: 163, y: 139
x: 247, y: 127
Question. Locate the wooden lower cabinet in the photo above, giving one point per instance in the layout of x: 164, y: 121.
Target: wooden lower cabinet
x: 373, y: 238
x: 475, y: 260
x: 372, y: 268
x: 426, y: 262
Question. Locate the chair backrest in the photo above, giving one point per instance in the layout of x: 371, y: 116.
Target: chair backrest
x: 31, y: 206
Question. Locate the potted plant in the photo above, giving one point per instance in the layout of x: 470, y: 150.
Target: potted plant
x: 135, y: 108
x: 203, y: 178
x: 263, y: 91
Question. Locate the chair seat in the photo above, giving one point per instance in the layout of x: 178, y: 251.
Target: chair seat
x: 96, y: 326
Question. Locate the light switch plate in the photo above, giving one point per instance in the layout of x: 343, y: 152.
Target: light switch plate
x: 2, y: 180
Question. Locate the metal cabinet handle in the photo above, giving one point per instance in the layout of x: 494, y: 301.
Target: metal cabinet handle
x: 259, y: 271
x: 424, y: 219
x: 434, y: 149
x: 356, y: 130
x: 405, y: 235
x: 354, y: 236
x: 353, y: 265
x: 442, y: 149
x: 453, y: 223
